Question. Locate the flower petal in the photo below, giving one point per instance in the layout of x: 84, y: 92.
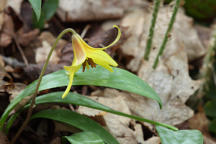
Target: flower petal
x: 106, y: 66
x: 101, y: 58
x: 71, y: 70
x: 79, y: 50
x: 114, y: 42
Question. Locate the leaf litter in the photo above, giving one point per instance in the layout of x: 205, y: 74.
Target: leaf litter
x: 171, y: 79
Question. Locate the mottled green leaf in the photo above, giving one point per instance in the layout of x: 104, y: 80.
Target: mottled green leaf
x: 84, y: 138
x: 80, y: 100
x: 168, y: 136
x: 119, y: 79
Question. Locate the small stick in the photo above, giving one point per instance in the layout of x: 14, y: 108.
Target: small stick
x: 19, y: 47
x: 21, y: 52
x: 85, y: 30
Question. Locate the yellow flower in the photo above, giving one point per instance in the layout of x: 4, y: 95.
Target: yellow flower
x: 85, y: 55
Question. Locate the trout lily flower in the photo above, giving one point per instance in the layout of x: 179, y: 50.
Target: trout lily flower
x: 85, y: 55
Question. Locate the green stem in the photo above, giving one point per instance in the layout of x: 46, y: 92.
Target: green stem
x: 172, y: 20
x: 208, y: 65
x: 144, y: 120
x: 38, y: 85
x: 151, y: 29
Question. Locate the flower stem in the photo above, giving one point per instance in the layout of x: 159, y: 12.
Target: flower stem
x: 38, y: 84
x: 166, y: 36
x: 151, y: 29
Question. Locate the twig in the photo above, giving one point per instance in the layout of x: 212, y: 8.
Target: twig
x: 166, y: 36
x: 21, y: 52
x: 85, y: 30
x: 12, y: 62
x: 151, y: 29
x: 38, y: 84
x: 18, y: 46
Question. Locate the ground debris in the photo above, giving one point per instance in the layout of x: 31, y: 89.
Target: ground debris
x: 137, y: 23
x: 86, y: 10
x: 3, y: 138
x: 117, y: 125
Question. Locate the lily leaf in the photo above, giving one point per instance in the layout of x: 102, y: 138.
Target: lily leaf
x: 84, y: 138
x: 77, y: 120
x: 119, y: 79
x: 49, y: 8
x: 179, y: 137
x: 80, y: 100
x: 36, y: 5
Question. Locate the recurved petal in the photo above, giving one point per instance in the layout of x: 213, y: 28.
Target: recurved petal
x: 101, y: 58
x: 106, y: 66
x: 114, y: 42
x: 79, y: 50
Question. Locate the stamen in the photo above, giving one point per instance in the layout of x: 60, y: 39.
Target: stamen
x: 91, y: 62
x: 84, y: 65
x: 88, y: 62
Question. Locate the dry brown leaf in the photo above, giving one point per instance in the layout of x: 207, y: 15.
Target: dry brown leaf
x: 3, y: 138
x: 174, y: 86
x: 85, y: 10
x: 51, y: 39
x: 5, y: 40
x: 2, y: 7
x: 199, y: 121
x: 2, y: 75
x: 2, y: 64
x: 138, y: 22
x: 41, y: 54
x: 208, y: 140
x: 153, y: 140
x: 204, y: 34
x: 139, y: 133
x: 1, y: 20
x: 171, y: 79
x: 173, y: 112
x: 25, y: 38
x: 133, y: 46
x: 47, y: 40
x: 7, y: 30
x: 15, y: 89
x: 15, y: 4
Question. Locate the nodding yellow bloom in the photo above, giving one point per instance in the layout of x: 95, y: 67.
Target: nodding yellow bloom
x: 85, y: 55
